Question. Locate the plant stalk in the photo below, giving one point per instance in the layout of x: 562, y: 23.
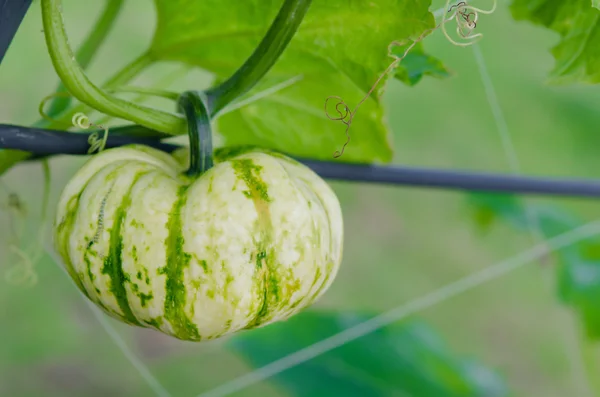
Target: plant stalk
x: 9, y: 158
x: 88, y: 49
x: 123, y: 76
x: 82, y: 88
x: 193, y: 105
x: 263, y: 58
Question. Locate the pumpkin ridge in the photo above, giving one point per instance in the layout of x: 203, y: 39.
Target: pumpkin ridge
x: 177, y: 260
x: 113, y: 265
x: 63, y: 231
x: 250, y: 173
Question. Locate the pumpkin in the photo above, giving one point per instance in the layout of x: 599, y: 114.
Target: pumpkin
x: 253, y: 240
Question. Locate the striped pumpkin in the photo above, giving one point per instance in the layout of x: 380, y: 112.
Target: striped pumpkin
x: 254, y: 240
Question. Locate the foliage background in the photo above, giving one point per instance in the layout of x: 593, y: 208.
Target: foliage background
x: 400, y: 242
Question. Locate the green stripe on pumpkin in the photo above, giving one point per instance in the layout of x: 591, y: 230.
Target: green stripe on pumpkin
x: 266, y: 271
x: 63, y: 233
x: 177, y: 261
x: 113, y: 265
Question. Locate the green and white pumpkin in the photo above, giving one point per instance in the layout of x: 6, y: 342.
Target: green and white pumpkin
x: 254, y: 240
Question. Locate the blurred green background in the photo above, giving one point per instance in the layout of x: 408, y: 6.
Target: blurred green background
x: 400, y: 242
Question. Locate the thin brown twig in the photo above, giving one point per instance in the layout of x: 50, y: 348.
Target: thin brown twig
x: 466, y: 19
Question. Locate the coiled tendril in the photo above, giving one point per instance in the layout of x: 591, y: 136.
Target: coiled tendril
x: 80, y: 120
x: 466, y: 18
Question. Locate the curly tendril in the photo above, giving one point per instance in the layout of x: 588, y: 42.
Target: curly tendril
x: 81, y: 120
x: 466, y: 18
x: 345, y: 115
x: 45, y: 100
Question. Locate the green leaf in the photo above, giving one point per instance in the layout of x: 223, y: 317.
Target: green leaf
x: 417, y: 64
x: 577, y: 54
x: 579, y: 286
x: 340, y: 50
x: 400, y: 360
x: 578, y: 266
x: 596, y: 3
x: 487, y: 208
x: 11, y: 157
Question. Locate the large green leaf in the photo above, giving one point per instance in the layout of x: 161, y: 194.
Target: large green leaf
x: 577, y: 55
x: 578, y: 266
x: 400, y: 360
x: 341, y: 49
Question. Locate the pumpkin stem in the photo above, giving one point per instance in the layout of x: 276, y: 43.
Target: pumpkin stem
x: 193, y: 106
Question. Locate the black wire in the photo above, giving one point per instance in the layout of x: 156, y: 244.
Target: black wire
x: 44, y: 143
x: 12, y: 13
x: 455, y: 179
x: 47, y: 142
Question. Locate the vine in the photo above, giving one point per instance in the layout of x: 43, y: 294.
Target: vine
x: 466, y: 18
x: 194, y: 106
x: 80, y: 120
x: 96, y: 144
x: 44, y: 143
x: 76, y: 81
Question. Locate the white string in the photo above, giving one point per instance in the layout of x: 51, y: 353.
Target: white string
x: 499, y: 118
x: 154, y: 384
x: 440, y: 295
x: 515, y: 166
x: 505, y: 137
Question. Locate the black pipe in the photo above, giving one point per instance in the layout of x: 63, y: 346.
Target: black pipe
x: 455, y: 179
x: 12, y: 13
x: 44, y: 142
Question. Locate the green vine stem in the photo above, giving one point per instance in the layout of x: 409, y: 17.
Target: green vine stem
x: 159, y: 86
x: 123, y: 76
x: 88, y: 49
x: 70, y: 71
x: 278, y: 36
x: 193, y: 105
x: 78, y: 84
x: 9, y: 158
